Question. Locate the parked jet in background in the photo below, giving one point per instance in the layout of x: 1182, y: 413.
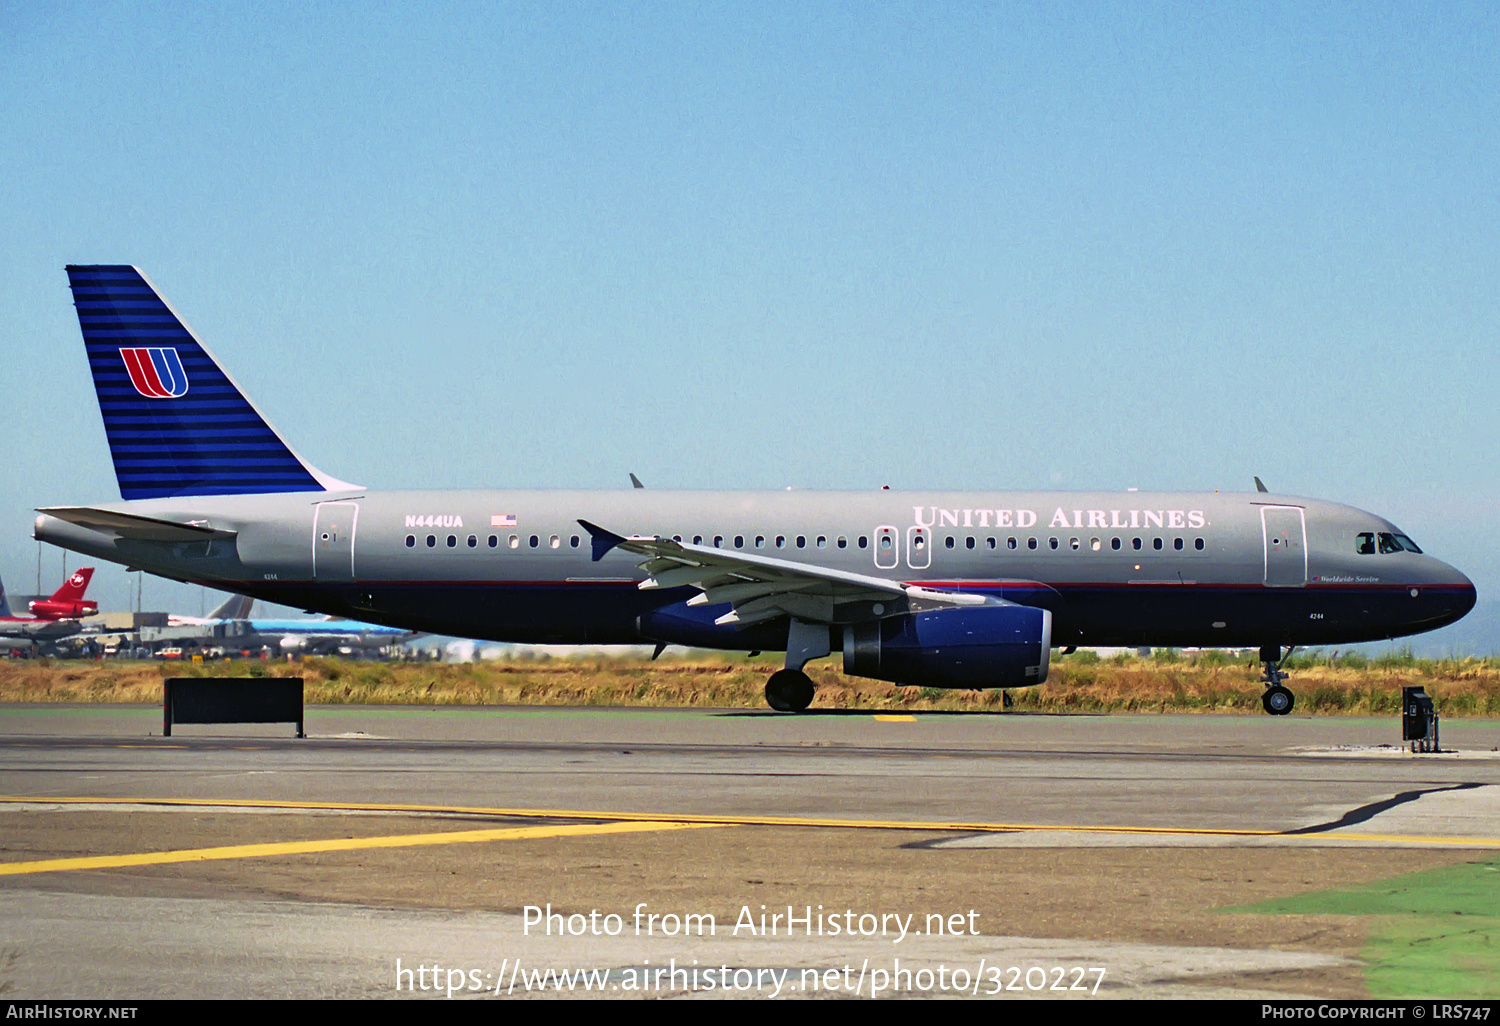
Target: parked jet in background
x: 331, y: 636
x: 67, y: 602
x: 232, y: 626
x: 235, y: 607
x: 56, y: 617
x: 942, y: 589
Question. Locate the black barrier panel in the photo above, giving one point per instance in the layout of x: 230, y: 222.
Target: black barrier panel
x: 232, y: 700
x: 1419, y: 720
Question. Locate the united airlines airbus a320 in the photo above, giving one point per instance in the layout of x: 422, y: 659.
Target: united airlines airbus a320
x: 941, y: 589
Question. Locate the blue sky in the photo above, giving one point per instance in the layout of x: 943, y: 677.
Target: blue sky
x: 822, y: 245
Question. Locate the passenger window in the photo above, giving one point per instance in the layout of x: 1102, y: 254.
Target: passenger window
x: 885, y: 542
x: 969, y: 542
x: 574, y: 541
x: 555, y: 542
x: 411, y: 541
x: 1095, y: 544
x: 1177, y: 544
x: 760, y: 541
x: 948, y: 541
x: 1364, y: 544
x: 697, y: 539
x: 453, y: 541
x: 718, y: 541
x: 1156, y: 544
x: 1074, y: 543
x: 990, y: 542
x: 515, y: 541
x: 1115, y: 544
x: 822, y: 542
x: 473, y: 542
x: 1198, y: 544
x: 781, y: 541
x: 432, y: 541
x: 494, y: 541
x: 863, y: 541
x: 801, y: 541
x: 739, y: 541
x: 1136, y: 544
x: 1052, y: 542
x: 535, y: 541
x: 1031, y: 543
x: 843, y: 542
x: 1010, y: 543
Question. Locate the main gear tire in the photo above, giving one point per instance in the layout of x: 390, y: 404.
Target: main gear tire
x: 789, y: 691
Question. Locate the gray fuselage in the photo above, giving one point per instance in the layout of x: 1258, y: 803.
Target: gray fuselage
x: 1132, y: 568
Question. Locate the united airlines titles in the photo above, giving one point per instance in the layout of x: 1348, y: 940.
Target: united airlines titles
x: 1105, y: 519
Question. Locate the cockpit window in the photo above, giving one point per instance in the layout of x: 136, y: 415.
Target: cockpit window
x: 1365, y: 543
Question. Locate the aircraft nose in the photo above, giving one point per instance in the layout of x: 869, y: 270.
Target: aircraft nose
x: 1450, y: 593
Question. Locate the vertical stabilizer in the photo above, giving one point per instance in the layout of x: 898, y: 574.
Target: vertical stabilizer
x: 236, y: 607
x: 177, y: 423
x: 74, y: 587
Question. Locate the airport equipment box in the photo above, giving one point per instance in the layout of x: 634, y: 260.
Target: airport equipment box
x: 232, y: 700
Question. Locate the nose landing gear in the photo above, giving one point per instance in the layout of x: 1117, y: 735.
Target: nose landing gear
x: 1277, y: 699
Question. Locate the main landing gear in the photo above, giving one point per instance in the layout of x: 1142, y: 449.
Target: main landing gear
x: 791, y: 690
x: 1277, y: 699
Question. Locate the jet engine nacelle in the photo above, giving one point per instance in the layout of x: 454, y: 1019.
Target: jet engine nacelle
x: 977, y: 647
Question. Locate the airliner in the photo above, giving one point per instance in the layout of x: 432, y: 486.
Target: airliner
x: 231, y: 622
x: 53, y: 618
x: 935, y: 588
x: 231, y: 626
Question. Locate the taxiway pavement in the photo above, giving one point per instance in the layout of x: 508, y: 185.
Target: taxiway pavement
x: 242, y: 862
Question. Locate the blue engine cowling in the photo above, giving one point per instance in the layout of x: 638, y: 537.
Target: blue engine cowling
x: 975, y: 647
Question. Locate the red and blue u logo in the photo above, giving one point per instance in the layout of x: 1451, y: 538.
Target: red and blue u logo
x: 156, y: 373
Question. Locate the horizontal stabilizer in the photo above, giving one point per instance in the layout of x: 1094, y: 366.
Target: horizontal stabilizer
x: 133, y: 526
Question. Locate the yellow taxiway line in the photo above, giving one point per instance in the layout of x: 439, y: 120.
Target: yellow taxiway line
x: 251, y: 851
x: 681, y: 819
x: 637, y: 817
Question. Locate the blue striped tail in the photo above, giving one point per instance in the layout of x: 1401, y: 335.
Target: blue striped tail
x: 176, y: 423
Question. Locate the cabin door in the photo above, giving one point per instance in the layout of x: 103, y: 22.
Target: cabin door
x: 1285, y: 534
x: 333, y: 540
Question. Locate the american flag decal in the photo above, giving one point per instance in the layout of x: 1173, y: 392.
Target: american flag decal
x: 156, y: 373
x: 503, y: 520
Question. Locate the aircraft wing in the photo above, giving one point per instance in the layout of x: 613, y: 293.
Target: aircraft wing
x: 38, y: 630
x: 763, y: 588
x: 133, y: 525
